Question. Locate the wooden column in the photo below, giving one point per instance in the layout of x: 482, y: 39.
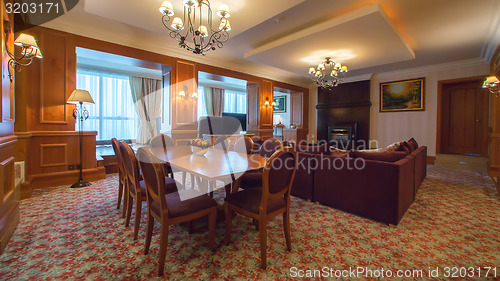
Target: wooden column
x: 9, y: 193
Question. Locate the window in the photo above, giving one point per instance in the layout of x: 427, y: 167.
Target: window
x: 235, y: 102
x: 113, y: 114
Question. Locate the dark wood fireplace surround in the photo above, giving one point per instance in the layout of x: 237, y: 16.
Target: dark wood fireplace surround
x: 344, y: 114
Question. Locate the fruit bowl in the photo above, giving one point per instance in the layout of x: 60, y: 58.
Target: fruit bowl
x: 198, y: 150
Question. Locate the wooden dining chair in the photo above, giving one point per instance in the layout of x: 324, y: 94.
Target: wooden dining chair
x: 267, y: 201
x: 163, y: 141
x: 245, y: 144
x: 135, y: 187
x: 121, y: 173
x: 252, y: 179
x: 169, y: 209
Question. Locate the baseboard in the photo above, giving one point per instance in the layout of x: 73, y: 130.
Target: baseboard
x: 8, y: 224
x: 59, y: 178
x: 431, y: 160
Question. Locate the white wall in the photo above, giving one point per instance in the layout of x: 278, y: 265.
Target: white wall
x: 389, y: 127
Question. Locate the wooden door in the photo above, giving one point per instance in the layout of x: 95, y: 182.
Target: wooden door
x: 465, y: 119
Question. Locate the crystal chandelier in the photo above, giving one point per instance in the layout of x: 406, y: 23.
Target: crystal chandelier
x: 199, y: 35
x: 328, y: 74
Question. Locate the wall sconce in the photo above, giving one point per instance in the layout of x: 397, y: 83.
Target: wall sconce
x: 266, y: 103
x: 29, y: 51
x: 493, y: 85
x: 184, y: 94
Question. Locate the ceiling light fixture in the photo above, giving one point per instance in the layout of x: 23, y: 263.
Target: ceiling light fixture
x: 199, y: 35
x: 328, y: 74
x: 493, y: 85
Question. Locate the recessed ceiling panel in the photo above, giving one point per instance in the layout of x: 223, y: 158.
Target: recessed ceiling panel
x: 360, y: 39
x: 245, y: 14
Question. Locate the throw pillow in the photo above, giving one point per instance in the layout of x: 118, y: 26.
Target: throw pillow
x: 404, y: 147
x: 413, y: 144
x: 379, y: 156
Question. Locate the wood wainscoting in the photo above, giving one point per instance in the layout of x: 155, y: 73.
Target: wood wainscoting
x: 52, y: 158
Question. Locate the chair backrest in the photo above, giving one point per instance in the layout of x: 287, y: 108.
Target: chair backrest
x: 131, y: 167
x: 162, y: 140
x: 278, y: 175
x: 119, y: 160
x: 154, y: 178
x: 222, y: 142
x: 244, y: 143
x: 269, y: 147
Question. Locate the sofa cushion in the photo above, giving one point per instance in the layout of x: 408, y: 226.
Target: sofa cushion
x: 313, y: 149
x: 379, y: 156
x: 338, y: 152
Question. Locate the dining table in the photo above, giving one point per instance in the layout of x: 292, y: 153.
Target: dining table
x: 216, y: 164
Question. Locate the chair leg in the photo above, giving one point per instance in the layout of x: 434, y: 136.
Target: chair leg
x: 120, y: 194
x: 149, y: 233
x: 256, y: 224
x: 212, y: 218
x: 263, y: 242
x: 229, y: 217
x: 129, y: 210
x: 126, y: 196
x: 163, y: 247
x: 137, y: 221
x: 192, y: 181
x: 286, y: 228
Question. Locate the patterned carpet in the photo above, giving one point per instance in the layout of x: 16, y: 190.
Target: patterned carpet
x: 77, y: 234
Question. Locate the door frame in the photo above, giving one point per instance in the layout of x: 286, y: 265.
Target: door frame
x: 439, y: 124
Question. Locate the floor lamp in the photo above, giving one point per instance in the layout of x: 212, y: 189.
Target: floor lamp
x: 80, y: 113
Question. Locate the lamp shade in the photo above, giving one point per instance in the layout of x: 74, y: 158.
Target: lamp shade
x: 82, y: 96
x: 25, y: 40
x: 491, y: 80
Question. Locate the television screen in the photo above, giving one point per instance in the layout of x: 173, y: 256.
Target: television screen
x: 241, y: 117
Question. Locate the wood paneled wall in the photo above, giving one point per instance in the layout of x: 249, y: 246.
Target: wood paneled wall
x: 495, y: 122
x: 48, y: 143
x: 44, y: 122
x: 9, y: 193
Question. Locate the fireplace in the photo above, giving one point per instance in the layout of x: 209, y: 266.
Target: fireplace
x: 343, y: 135
x: 344, y: 115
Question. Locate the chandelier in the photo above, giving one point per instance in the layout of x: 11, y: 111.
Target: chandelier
x: 328, y: 74
x: 199, y: 35
x: 493, y: 85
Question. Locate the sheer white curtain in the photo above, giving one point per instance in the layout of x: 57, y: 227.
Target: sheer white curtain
x: 235, y: 102
x: 146, y: 94
x: 113, y: 114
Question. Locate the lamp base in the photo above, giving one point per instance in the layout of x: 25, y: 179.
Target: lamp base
x: 80, y: 183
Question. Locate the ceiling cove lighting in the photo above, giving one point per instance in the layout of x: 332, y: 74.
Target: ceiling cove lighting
x: 493, y: 85
x: 195, y: 31
x: 328, y: 74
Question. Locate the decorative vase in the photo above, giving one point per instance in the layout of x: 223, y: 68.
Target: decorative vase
x: 198, y: 150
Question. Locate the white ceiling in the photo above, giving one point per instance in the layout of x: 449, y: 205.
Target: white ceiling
x: 280, y: 39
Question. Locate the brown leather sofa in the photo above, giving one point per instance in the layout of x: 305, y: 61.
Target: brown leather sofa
x: 382, y: 191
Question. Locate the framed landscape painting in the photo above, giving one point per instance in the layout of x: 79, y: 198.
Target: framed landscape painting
x: 280, y: 106
x: 406, y: 95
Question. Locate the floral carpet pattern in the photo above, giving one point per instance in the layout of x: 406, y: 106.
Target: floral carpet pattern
x: 78, y: 234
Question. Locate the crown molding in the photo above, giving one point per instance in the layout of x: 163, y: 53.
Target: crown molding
x: 423, y: 70
x: 358, y: 78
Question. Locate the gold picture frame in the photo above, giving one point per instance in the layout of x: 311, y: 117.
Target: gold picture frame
x: 403, y: 95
